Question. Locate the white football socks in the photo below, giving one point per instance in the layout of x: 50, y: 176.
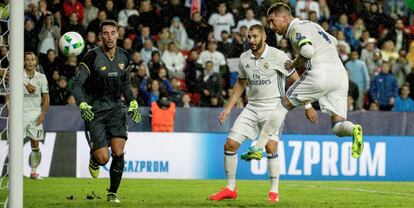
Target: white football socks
x: 230, y: 166
x: 273, y: 167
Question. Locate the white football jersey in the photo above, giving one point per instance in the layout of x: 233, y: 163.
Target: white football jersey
x: 221, y: 23
x: 301, y: 32
x: 265, y: 76
x: 32, y: 101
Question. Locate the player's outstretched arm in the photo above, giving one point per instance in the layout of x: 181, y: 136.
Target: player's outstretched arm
x: 238, y: 90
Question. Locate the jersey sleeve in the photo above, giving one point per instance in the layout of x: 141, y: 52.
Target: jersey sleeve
x: 44, y: 86
x: 241, y: 71
x: 281, y: 64
x: 126, y: 82
x: 300, y: 36
x: 82, y: 73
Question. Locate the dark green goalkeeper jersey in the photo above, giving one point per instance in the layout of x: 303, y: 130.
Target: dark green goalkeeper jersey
x: 102, y: 81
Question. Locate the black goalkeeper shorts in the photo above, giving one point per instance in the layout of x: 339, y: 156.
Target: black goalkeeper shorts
x: 105, y: 126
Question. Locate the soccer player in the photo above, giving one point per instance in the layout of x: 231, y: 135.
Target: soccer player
x: 101, y: 82
x: 325, y: 80
x: 35, y: 106
x: 261, y: 69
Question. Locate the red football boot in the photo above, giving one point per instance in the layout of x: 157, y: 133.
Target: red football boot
x: 273, y: 197
x: 225, y: 193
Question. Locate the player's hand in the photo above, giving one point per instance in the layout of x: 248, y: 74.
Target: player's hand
x: 311, y: 115
x: 288, y: 65
x: 40, y: 119
x: 86, y: 111
x: 223, y: 115
x: 392, y: 100
x: 133, y: 110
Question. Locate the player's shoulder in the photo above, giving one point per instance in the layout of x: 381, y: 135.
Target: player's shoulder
x: 91, y: 54
x: 274, y: 52
x: 246, y: 54
x: 40, y: 75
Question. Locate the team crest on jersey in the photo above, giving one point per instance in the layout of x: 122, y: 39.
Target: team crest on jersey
x: 121, y: 66
x: 299, y: 37
x: 247, y: 66
x: 266, y: 65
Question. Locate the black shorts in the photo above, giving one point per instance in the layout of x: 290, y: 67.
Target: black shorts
x: 105, y: 126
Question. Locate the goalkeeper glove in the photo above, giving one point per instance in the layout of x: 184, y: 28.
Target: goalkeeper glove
x: 86, y: 111
x: 133, y: 110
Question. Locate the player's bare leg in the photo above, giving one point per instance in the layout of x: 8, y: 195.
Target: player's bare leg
x: 117, y: 167
x: 34, y: 159
x: 273, y: 167
x: 271, y: 126
x: 98, y: 157
x: 342, y: 127
x: 230, y: 166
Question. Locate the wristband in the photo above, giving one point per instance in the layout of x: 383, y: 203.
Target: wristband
x: 308, y: 105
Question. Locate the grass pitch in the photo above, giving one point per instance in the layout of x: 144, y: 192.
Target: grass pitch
x: 72, y: 192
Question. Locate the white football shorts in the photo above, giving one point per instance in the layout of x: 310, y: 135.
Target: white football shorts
x: 31, y: 130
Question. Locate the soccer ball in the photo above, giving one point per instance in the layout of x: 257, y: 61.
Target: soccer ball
x: 71, y: 44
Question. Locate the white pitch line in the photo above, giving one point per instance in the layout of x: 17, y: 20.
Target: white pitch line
x: 362, y: 190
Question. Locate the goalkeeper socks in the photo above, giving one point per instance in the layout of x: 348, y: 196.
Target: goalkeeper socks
x: 34, y: 159
x: 115, y: 172
x: 344, y: 128
x: 230, y: 165
x: 273, y: 166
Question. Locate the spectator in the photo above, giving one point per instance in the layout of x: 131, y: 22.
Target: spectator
x: 155, y: 64
x: 403, y: 103
x: 384, y: 88
x: 61, y: 93
x: 71, y: 101
x: 240, y: 42
x: 90, y: 41
x: 220, y: 21
x: 410, y: 81
x: 284, y: 46
x: 211, y: 84
x: 90, y: 12
x: 312, y: 16
x: 48, y: 36
x: 351, y: 103
x: 248, y: 21
x: 174, y: 8
x: 94, y: 25
x: 166, y: 37
x: 367, y: 54
x: 304, y: 6
x: 358, y: 73
x: 50, y: 64
x: 357, y: 28
x: 162, y: 115
x: 374, y: 64
x: 165, y: 85
x: 192, y: 72
x: 387, y: 52
x: 353, y: 93
x: 110, y: 10
x: 147, y: 50
x: 31, y: 40
x: 225, y: 46
x: 73, y: 6
x: 174, y: 61
x: 153, y: 93
x: 149, y: 17
x: 73, y: 25
x: 197, y: 28
x: 177, y: 94
x: 186, y: 100
x: 124, y: 14
x: 399, y: 36
x: 127, y: 46
x: 324, y: 10
x: 343, y: 25
x: 401, y: 68
x: 177, y: 28
x: 216, y: 57
x: 69, y: 69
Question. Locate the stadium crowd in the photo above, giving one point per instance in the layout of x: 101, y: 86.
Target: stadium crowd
x: 186, y: 49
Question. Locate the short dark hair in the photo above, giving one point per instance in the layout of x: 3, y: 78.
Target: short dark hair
x: 108, y: 22
x: 257, y: 27
x: 279, y: 8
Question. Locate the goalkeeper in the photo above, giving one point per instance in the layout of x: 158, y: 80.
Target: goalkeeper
x: 99, y: 85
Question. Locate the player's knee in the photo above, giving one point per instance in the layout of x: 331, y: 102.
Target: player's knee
x: 271, y: 146
x: 231, y: 145
x: 34, y: 144
x: 102, y: 159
